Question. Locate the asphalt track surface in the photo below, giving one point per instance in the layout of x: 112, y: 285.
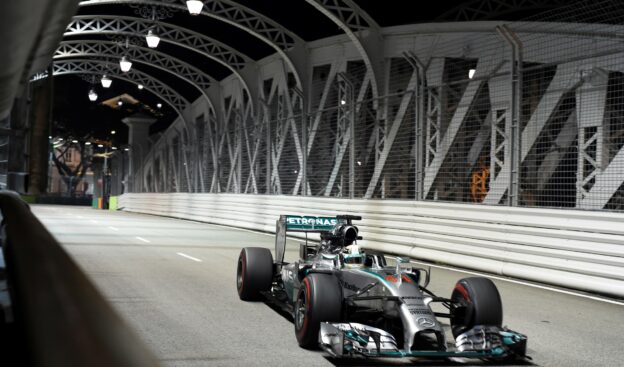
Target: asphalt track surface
x: 174, y: 283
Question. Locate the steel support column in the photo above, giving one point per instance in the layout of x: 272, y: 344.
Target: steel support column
x: 516, y: 110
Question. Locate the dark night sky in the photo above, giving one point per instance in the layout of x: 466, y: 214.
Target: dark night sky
x: 75, y: 113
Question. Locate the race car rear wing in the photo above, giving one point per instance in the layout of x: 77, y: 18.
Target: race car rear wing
x: 305, y: 224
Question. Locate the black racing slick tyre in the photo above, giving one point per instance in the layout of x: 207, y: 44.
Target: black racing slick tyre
x: 254, y: 273
x: 479, y: 304
x: 319, y: 299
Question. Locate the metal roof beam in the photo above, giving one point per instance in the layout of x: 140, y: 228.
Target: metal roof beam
x: 237, y: 62
x: 237, y: 15
x: 100, y: 67
x: 353, y: 20
x: 159, y: 60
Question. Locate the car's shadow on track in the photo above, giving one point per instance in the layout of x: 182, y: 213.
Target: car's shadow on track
x: 279, y: 310
x: 421, y: 362
x: 387, y: 362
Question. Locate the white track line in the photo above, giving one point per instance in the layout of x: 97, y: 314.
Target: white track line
x: 552, y: 289
x: 142, y: 239
x: 189, y: 257
x: 113, y: 228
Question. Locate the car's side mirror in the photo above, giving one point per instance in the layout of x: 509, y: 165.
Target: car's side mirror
x: 427, y: 275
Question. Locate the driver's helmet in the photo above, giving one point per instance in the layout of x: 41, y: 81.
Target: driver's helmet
x: 354, y: 260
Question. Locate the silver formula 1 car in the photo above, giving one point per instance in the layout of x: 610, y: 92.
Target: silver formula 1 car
x: 366, y: 303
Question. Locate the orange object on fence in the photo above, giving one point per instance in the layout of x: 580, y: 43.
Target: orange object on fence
x: 478, y: 184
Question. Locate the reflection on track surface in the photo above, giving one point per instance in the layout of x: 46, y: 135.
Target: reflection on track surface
x: 189, y: 313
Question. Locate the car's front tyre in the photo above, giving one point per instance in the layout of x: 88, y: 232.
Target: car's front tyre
x: 319, y: 299
x: 480, y: 305
x: 254, y: 273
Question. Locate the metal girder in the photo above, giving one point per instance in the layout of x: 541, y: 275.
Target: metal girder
x: 213, y: 133
x: 227, y: 11
x: 349, y: 13
x: 234, y: 147
x: 338, y: 66
x: 485, y: 67
x: 552, y: 159
x: 237, y: 15
x: 565, y: 79
x: 593, y: 158
x: 344, y: 135
x: 286, y: 100
x: 349, y: 104
x: 606, y: 182
x: 99, y: 67
x: 197, y: 42
x: 351, y: 19
x: 391, y: 134
x: 277, y: 146
x: 175, y: 182
x: 159, y: 60
x: 493, y: 9
x: 185, y: 150
x: 252, y: 144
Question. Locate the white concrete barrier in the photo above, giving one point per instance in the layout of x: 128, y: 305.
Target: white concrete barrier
x: 571, y: 248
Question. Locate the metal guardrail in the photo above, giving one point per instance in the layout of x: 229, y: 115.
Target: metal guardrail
x: 569, y: 248
x: 64, y: 318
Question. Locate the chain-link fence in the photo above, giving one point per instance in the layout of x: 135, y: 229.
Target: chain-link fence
x: 524, y: 113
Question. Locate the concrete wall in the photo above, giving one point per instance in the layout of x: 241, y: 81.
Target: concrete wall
x: 574, y: 249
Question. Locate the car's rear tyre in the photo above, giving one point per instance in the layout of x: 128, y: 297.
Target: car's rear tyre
x: 481, y: 305
x: 254, y: 273
x: 319, y: 299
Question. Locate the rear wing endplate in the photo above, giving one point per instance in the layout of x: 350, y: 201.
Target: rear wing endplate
x: 299, y: 223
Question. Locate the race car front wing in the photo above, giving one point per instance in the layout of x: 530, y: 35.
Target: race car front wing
x: 353, y: 339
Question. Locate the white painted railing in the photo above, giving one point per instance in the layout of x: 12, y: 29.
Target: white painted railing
x: 570, y: 248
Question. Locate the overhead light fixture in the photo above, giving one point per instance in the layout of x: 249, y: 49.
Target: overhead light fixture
x: 120, y: 103
x: 194, y: 6
x: 127, y: 149
x: 471, y: 73
x: 343, y: 102
x: 114, y: 148
x: 152, y: 39
x: 92, y: 95
x: 100, y: 146
x: 106, y: 81
x: 159, y: 105
x: 113, y: 132
x: 125, y: 64
x: 50, y: 137
x: 140, y: 86
x: 75, y: 141
x: 88, y: 143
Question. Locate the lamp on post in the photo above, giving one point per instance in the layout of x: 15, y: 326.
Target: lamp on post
x: 152, y: 39
x: 194, y: 6
x: 125, y: 64
x: 106, y: 81
x: 92, y: 95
